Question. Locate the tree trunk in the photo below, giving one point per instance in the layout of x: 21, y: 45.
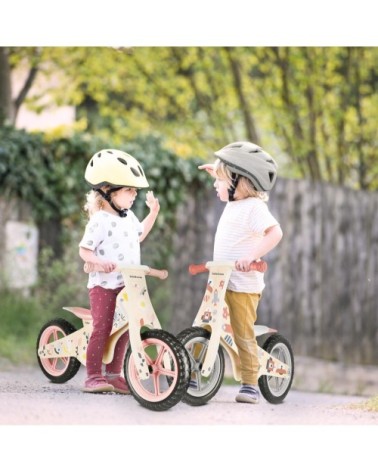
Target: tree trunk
x: 244, y: 106
x: 6, y: 106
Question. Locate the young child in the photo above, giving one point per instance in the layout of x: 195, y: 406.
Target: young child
x: 246, y: 232
x: 112, y: 236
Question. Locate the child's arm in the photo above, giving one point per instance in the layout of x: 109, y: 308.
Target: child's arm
x: 271, y: 238
x: 89, y: 256
x: 154, y: 206
x: 208, y: 168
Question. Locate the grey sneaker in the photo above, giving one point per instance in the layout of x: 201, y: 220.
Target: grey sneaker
x: 248, y: 394
x: 193, y: 384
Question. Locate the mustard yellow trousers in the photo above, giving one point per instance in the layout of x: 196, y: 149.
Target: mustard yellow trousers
x: 243, y: 315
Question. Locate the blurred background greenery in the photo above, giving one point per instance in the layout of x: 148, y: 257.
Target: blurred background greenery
x: 313, y: 108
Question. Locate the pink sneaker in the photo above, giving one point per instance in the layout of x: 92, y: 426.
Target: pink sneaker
x: 97, y: 385
x: 119, y: 385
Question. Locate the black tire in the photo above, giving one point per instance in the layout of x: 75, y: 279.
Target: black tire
x: 201, y: 389
x: 167, y: 383
x: 275, y: 389
x: 62, y: 369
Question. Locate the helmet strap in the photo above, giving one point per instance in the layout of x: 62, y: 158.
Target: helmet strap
x: 107, y: 196
x: 234, y: 183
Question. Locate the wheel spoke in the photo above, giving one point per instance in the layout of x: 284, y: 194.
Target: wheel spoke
x: 202, y: 353
x: 161, y: 369
x: 198, y: 378
x: 156, y: 384
x: 160, y: 355
x: 55, y: 335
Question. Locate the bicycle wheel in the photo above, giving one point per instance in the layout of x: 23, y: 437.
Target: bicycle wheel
x: 57, y: 369
x: 275, y: 389
x: 201, y: 389
x: 169, y: 367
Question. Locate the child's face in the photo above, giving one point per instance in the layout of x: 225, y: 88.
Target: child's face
x: 221, y: 186
x: 124, y: 197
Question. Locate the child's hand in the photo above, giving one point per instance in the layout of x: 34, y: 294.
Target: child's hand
x: 107, y: 266
x: 243, y: 265
x: 208, y: 168
x: 152, y: 202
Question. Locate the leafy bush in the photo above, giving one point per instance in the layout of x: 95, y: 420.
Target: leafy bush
x: 49, y: 175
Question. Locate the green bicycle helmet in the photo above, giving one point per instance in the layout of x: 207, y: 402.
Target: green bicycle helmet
x: 251, y: 161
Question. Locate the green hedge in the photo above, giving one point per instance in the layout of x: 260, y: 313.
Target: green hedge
x: 49, y: 175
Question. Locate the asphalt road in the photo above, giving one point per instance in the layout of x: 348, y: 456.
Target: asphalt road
x: 27, y: 397
x: 45, y: 424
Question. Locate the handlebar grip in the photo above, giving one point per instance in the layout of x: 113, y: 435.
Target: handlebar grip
x: 260, y: 266
x: 91, y: 267
x: 195, y: 269
x: 160, y: 274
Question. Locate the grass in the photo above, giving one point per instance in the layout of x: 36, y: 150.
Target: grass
x: 369, y: 405
x: 18, y: 327
x: 21, y: 320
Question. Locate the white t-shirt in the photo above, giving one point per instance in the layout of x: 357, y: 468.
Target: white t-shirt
x: 241, y: 227
x: 114, y: 239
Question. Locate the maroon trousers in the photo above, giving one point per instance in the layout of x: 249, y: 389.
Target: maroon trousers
x: 103, y: 302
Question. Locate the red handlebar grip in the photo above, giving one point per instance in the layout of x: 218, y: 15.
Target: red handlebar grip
x: 260, y: 266
x: 195, y: 269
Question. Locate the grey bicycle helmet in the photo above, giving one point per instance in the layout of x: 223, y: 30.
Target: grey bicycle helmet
x: 251, y: 161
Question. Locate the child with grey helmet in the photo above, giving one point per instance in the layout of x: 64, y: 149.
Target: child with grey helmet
x: 112, y: 236
x: 246, y: 231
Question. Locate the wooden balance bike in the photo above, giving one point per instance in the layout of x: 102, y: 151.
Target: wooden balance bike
x: 157, y: 366
x: 212, y: 334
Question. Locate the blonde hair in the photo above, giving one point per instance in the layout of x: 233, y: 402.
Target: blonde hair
x: 245, y: 187
x: 94, y: 202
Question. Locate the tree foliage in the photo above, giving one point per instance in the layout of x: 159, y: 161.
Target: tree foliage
x: 313, y: 108
x: 45, y: 173
x: 49, y: 175
x: 323, y: 104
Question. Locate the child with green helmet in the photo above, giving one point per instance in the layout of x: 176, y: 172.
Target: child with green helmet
x: 246, y: 231
x: 112, y: 236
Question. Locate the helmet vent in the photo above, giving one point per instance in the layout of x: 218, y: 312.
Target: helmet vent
x: 135, y: 172
x: 271, y: 176
x: 254, y: 151
x: 236, y: 146
x: 123, y: 161
x: 141, y: 170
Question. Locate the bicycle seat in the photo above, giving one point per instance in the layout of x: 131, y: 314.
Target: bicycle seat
x: 82, y: 313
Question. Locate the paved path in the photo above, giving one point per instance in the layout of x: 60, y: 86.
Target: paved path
x: 222, y: 435
x: 28, y: 398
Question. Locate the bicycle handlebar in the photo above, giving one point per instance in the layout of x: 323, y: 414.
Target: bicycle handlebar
x: 92, y: 267
x: 159, y: 273
x: 260, y: 266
